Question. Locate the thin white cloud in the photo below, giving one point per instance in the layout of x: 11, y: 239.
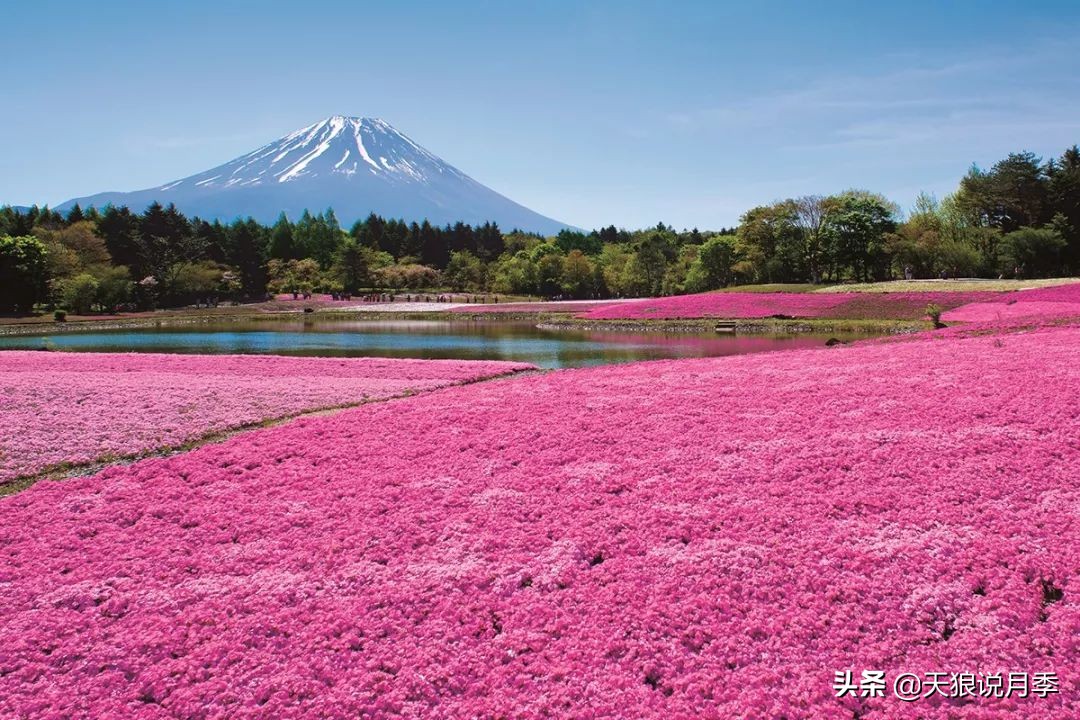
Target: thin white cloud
x: 909, y: 104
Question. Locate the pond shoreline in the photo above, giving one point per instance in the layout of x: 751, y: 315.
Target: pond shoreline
x: 543, y: 321
x: 544, y: 340
x: 50, y: 328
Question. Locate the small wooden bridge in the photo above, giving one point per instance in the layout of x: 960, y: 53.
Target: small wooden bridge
x: 726, y: 326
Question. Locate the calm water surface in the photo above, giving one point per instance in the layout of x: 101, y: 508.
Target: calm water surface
x: 464, y: 340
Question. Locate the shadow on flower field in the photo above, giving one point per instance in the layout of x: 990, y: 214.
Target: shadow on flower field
x: 692, y: 538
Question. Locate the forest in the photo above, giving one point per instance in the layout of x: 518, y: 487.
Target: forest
x: 1020, y: 218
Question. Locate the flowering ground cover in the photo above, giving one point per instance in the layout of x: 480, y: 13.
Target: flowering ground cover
x: 1038, y: 303
x: 725, y: 305
x: 1007, y: 311
x: 707, y: 538
x: 535, y: 307
x: 1061, y: 293
x: 839, y: 306
x: 58, y: 408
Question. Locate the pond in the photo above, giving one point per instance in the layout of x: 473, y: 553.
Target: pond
x: 463, y: 340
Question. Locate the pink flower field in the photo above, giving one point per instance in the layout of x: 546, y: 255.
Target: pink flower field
x: 708, y: 538
x: 1017, y: 310
x: 839, y: 306
x: 1069, y: 293
x: 1062, y: 301
x: 565, y: 306
x: 60, y: 408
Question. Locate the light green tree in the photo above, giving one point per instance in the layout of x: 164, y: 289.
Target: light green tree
x: 577, y: 277
x: 79, y: 292
x: 714, y: 267
x: 465, y: 271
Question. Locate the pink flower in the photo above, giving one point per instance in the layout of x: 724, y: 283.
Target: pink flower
x: 1062, y: 301
x: 883, y: 306
x: 674, y: 539
x: 74, y: 408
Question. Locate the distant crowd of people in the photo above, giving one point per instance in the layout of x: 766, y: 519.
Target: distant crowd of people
x: 1018, y: 273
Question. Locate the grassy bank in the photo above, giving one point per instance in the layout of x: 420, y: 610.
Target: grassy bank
x: 958, y: 285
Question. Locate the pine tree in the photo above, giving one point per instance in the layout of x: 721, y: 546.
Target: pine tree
x: 247, y: 245
x: 282, y: 243
x: 120, y: 230
x: 371, y: 234
x: 154, y: 222
x: 412, y: 245
x: 1064, y: 177
x: 433, y: 250
x: 489, y: 241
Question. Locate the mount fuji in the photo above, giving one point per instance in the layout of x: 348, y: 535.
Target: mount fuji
x: 354, y: 165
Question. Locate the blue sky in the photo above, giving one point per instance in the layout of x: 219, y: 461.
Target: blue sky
x: 590, y: 112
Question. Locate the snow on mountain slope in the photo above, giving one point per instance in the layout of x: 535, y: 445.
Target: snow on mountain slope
x: 338, y: 145
x: 354, y: 165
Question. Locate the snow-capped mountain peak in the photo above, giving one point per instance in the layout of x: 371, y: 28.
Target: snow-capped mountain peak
x: 337, y: 145
x: 356, y: 165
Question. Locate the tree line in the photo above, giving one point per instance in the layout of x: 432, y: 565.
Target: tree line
x: 1020, y: 218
